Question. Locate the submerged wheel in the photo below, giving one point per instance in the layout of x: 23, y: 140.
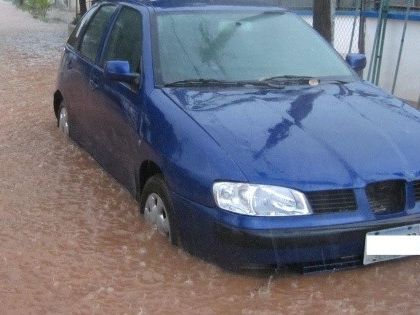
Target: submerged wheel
x: 63, y: 120
x: 156, y: 205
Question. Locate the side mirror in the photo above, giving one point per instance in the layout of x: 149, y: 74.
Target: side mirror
x: 356, y: 61
x: 118, y: 70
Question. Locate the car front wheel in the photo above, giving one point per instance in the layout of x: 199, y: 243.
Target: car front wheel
x: 156, y: 205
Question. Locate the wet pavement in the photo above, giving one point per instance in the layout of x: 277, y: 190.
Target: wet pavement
x: 71, y: 240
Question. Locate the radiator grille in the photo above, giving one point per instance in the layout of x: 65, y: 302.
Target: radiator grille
x: 331, y: 201
x: 417, y: 190
x: 386, y: 197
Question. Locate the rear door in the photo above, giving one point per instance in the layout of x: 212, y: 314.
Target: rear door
x: 73, y: 78
x: 117, y: 104
x: 81, y: 64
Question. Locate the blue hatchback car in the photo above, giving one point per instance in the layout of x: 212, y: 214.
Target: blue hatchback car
x: 243, y: 135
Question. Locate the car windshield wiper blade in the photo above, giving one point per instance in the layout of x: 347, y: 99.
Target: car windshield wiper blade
x: 335, y: 80
x: 276, y: 82
x: 284, y: 79
x: 314, y: 81
x: 203, y: 82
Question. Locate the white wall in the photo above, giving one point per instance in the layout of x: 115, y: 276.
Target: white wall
x: 408, y: 84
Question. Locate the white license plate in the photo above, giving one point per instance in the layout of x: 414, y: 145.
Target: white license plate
x: 409, y: 230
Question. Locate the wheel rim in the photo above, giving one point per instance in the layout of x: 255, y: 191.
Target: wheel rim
x: 63, y: 122
x: 156, y: 214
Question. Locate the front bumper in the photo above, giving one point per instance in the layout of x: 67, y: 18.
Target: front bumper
x: 228, y: 241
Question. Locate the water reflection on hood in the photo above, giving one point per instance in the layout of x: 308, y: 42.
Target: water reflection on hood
x: 328, y: 135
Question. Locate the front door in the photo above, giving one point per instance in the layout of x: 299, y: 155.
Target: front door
x: 118, y: 104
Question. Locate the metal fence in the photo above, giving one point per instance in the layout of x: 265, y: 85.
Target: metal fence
x: 347, y: 19
x: 354, y: 31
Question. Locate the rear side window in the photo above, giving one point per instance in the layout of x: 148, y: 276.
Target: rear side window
x: 92, y: 37
x: 75, y: 35
x: 125, y: 42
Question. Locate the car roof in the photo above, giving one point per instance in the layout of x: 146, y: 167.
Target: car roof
x: 207, y: 4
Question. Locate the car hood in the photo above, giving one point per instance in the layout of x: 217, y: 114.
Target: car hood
x: 311, y: 138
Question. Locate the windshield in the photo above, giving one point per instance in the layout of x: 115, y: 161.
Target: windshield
x: 240, y: 46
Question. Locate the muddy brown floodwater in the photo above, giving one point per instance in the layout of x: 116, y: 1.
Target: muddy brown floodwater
x: 71, y: 240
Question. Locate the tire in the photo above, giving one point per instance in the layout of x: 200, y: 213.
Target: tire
x: 157, y: 208
x: 63, y: 120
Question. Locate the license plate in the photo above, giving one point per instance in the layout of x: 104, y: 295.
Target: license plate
x: 409, y: 230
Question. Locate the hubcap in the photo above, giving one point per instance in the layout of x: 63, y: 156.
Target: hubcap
x: 63, y: 122
x: 155, y: 213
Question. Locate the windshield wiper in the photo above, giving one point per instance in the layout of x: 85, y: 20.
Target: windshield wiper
x: 203, y: 82
x: 336, y: 81
x: 277, y: 82
x: 288, y: 79
x: 296, y: 79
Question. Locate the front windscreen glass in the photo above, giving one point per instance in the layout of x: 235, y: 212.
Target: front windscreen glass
x: 240, y: 46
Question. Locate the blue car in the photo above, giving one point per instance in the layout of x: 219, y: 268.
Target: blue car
x: 244, y: 136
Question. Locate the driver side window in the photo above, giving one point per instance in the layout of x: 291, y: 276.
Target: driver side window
x: 125, y: 41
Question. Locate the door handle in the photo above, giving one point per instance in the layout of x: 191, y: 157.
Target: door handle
x: 93, y: 84
x: 70, y: 64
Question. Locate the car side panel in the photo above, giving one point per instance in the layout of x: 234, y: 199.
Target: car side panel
x: 76, y: 93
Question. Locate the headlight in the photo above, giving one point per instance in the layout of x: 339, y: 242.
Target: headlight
x: 260, y: 200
